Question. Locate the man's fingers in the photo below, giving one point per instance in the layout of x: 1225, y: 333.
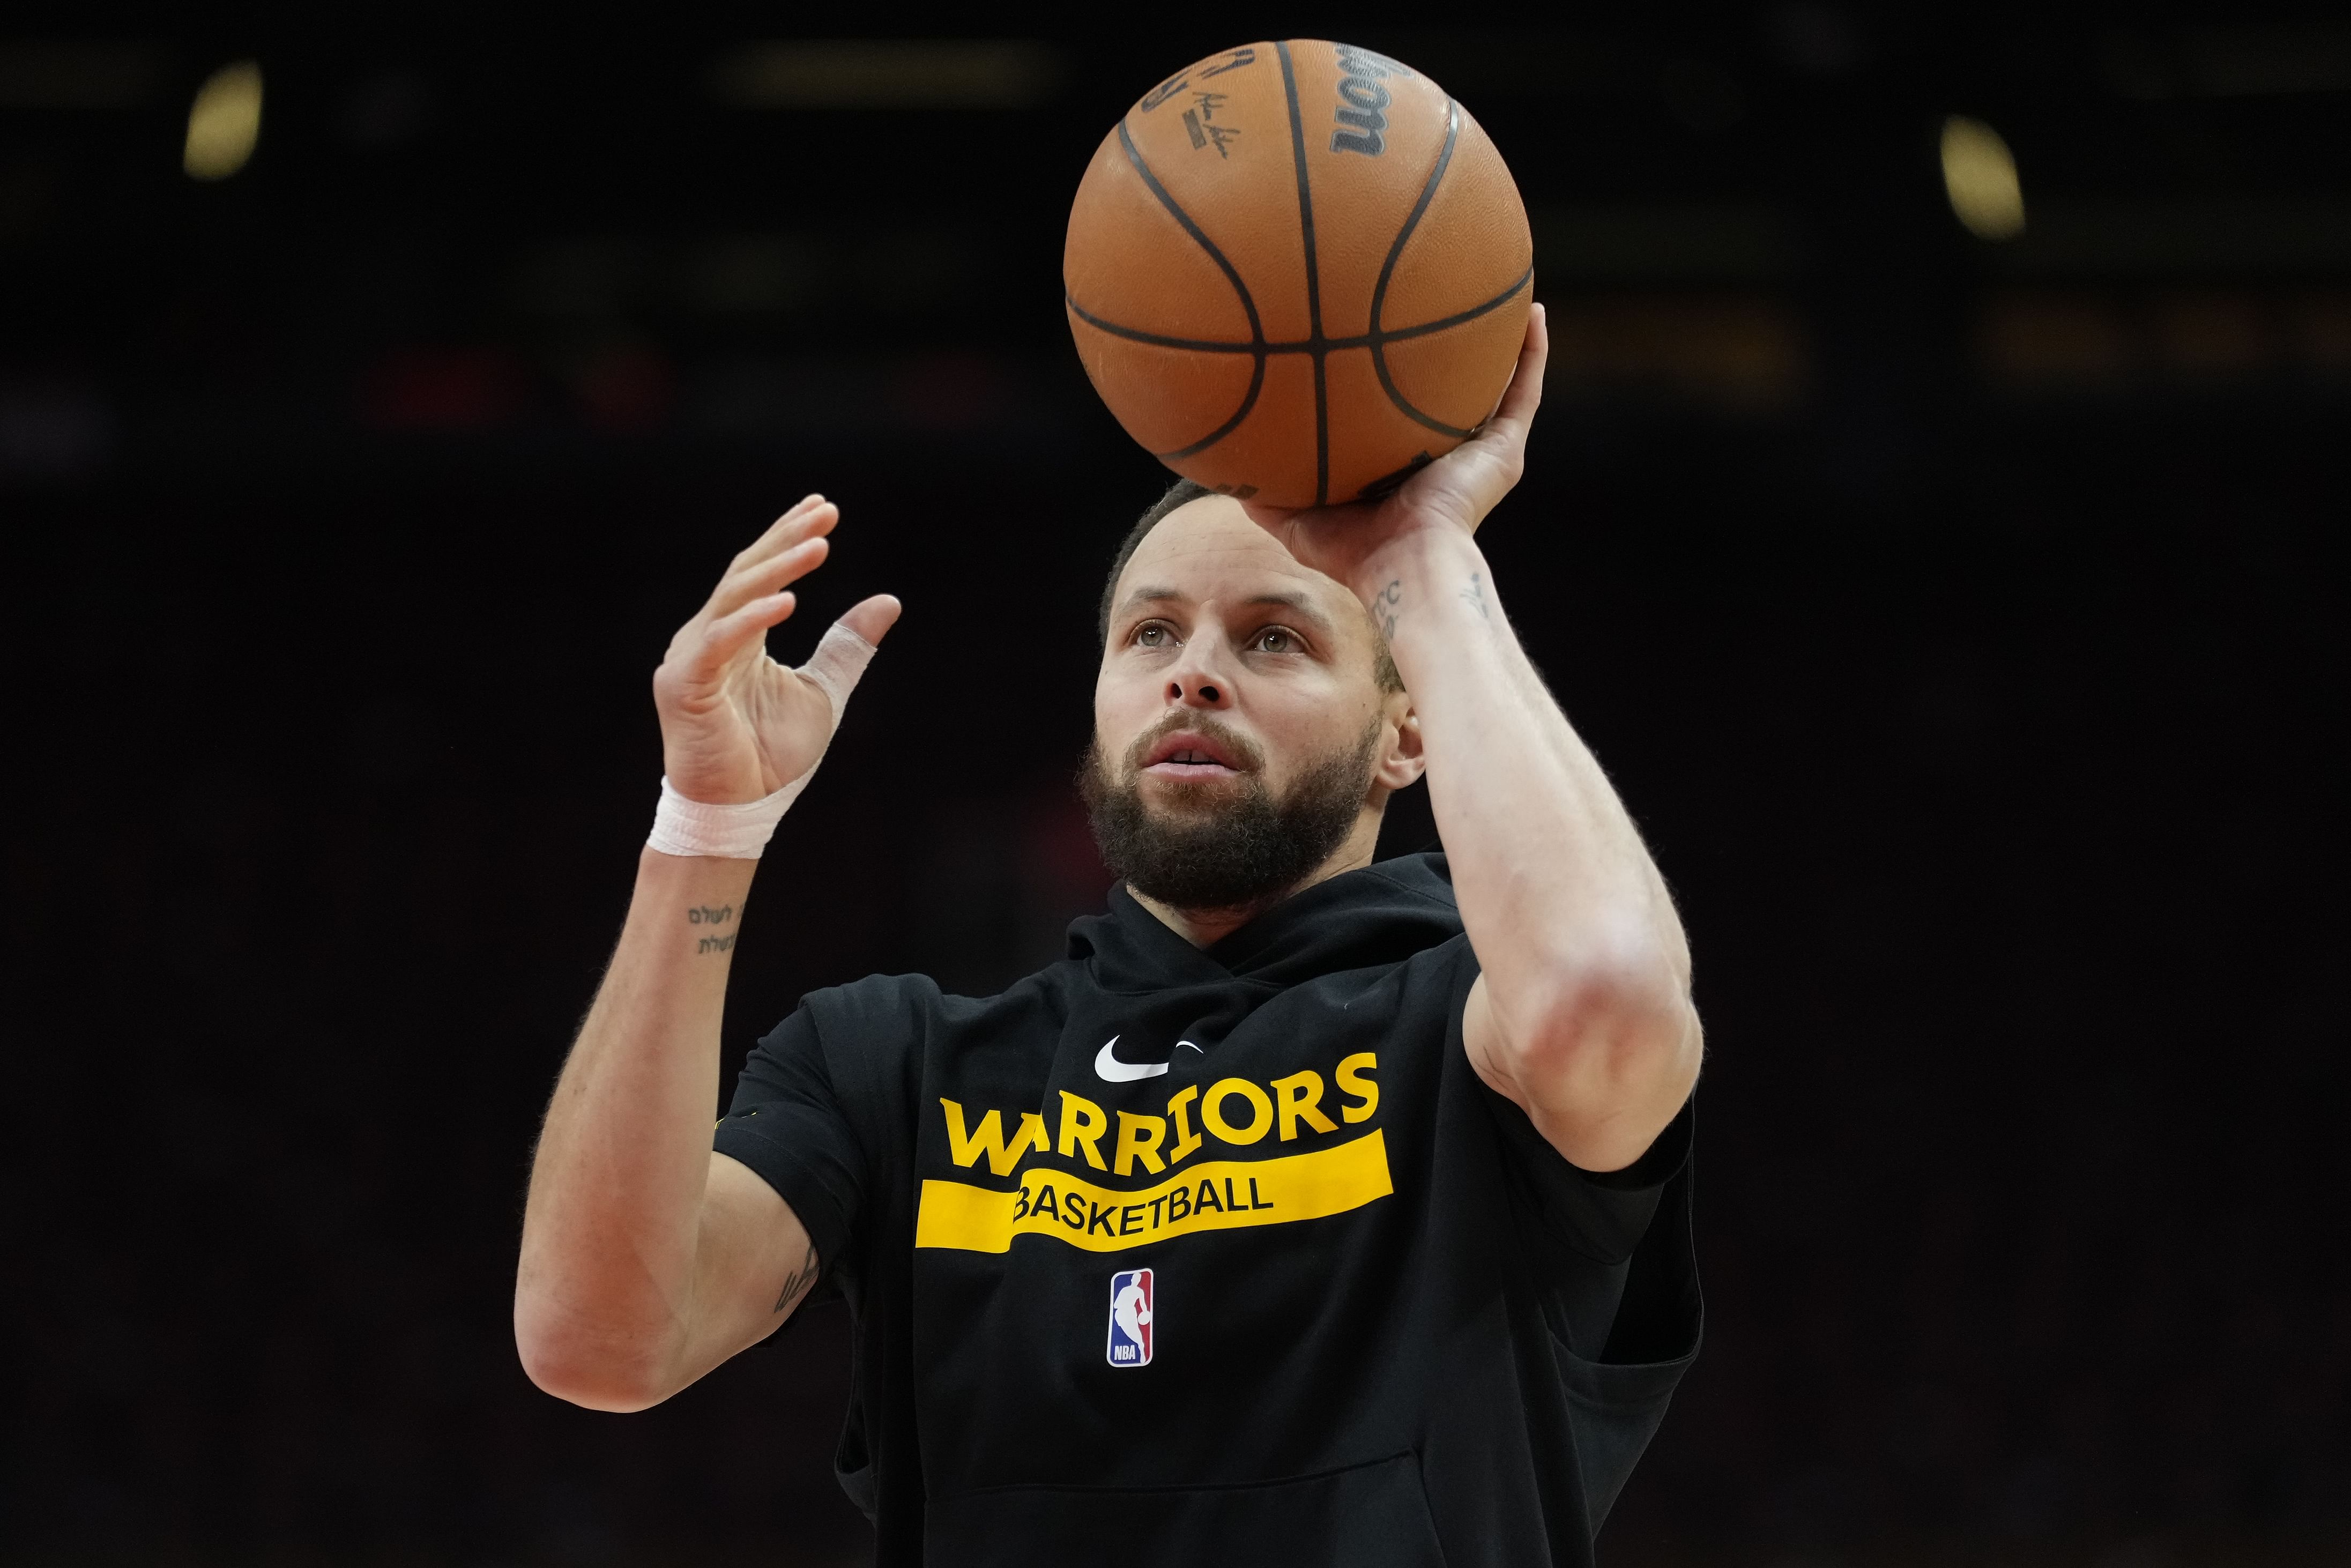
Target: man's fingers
x: 762, y: 578
x: 1524, y: 394
x: 873, y: 617
x: 814, y: 514
x: 727, y: 637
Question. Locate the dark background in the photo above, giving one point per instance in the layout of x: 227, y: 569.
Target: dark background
x: 1954, y: 615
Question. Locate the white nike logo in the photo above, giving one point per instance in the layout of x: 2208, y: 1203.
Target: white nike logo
x: 1113, y: 1071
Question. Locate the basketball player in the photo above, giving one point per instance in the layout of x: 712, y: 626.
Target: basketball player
x: 1310, y: 1211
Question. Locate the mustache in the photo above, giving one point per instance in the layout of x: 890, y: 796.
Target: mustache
x: 1246, y: 751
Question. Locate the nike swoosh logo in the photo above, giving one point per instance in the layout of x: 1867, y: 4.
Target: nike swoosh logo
x: 1110, y: 1069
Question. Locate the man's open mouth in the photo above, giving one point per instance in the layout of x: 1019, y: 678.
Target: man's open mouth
x: 1188, y: 754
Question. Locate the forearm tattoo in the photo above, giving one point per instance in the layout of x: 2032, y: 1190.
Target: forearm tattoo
x: 1475, y: 594
x: 1388, y: 604
x: 797, y: 1282
x: 703, y: 915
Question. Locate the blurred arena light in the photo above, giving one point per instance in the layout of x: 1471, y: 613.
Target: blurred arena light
x: 1980, y: 174
x: 223, y: 122
x: 888, y: 73
x: 1735, y: 354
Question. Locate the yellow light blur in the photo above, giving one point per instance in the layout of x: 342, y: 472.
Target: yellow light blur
x: 223, y: 122
x: 1980, y: 174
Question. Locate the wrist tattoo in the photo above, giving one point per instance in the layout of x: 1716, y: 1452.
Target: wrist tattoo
x: 797, y: 1282
x: 1388, y: 604
x: 1475, y: 594
x: 705, y: 914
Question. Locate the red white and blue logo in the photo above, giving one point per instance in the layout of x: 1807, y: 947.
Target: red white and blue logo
x: 1130, y: 1318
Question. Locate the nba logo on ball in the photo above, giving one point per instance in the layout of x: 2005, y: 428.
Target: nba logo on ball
x: 1130, y: 1318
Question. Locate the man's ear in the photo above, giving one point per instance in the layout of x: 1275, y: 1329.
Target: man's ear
x: 1403, y: 762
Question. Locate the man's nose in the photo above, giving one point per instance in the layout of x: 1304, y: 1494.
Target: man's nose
x: 1196, y: 683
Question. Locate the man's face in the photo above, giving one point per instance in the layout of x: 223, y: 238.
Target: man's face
x: 1239, y: 727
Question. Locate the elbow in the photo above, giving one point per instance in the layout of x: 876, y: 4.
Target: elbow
x: 1613, y: 1032
x: 1605, y: 1063
x: 585, y: 1381
x: 580, y: 1368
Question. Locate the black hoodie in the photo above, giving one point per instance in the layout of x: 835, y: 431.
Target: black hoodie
x: 1222, y: 1256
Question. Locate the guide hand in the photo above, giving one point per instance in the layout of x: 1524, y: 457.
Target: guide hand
x: 735, y: 725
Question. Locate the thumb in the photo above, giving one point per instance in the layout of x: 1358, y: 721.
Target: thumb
x: 841, y: 655
x: 873, y: 617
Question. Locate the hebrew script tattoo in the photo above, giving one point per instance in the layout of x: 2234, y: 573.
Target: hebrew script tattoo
x: 1475, y: 594
x: 1388, y: 604
x: 705, y: 915
x: 798, y: 1280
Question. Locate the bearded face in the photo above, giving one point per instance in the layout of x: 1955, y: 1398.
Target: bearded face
x: 1227, y: 841
x: 1248, y: 726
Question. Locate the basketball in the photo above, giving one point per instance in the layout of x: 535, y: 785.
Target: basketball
x: 1298, y: 271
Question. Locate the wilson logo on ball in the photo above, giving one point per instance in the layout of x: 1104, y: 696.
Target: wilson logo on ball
x: 1361, y: 99
x: 1299, y: 309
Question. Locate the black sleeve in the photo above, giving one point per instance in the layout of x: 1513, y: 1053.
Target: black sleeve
x: 1599, y: 1216
x: 1601, y: 1213
x: 789, y: 1124
x: 1611, y: 1250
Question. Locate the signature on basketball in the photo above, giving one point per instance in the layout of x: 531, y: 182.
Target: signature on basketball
x: 1199, y: 124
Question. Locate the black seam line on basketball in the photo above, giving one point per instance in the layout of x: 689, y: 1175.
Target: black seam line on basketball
x: 1442, y: 322
x: 1249, y: 305
x: 1411, y: 412
x: 1302, y: 345
x: 1316, y: 345
x: 1388, y: 271
x: 1248, y: 402
x: 1419, y: 210
x: 1249, y: 399
x: 1202, y: 345
x: 1159, y: 192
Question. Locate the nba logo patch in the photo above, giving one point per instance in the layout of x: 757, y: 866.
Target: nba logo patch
x: 1130, y: 1318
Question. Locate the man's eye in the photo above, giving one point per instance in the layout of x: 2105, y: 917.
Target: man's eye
x: 1274, y: 640
x: 1150, y: 634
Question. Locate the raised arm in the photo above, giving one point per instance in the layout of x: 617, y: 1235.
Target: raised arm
x: 647, y: 1259
x: 1582, y: 1011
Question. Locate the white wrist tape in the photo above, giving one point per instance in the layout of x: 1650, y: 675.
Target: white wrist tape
x: 683, y: 827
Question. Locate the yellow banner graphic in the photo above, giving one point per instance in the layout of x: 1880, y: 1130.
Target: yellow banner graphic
x: 1220, y: 1195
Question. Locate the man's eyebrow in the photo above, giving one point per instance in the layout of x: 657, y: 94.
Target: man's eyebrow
x: 1147, y: 595
x: 1297, y: 602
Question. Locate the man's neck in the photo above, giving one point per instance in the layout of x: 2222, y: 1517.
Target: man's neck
x: 1206, y: 928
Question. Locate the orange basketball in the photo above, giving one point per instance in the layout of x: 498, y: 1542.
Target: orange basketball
x: 1298, y: 271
